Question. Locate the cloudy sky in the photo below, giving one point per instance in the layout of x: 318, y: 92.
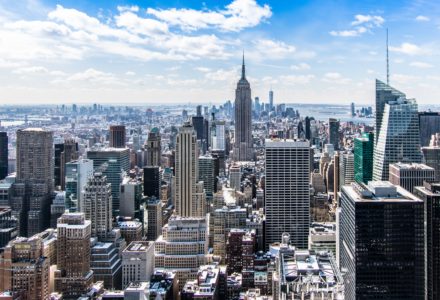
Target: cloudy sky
x: 151, y: 52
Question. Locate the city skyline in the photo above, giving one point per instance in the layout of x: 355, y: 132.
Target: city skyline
x: 184, y: 51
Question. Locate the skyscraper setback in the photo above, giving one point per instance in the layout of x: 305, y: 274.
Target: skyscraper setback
x: 243, y: 148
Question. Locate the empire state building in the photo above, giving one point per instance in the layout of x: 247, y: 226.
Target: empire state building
x: 243, y: 147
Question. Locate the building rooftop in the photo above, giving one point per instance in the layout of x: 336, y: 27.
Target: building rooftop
x: 410, y: 166
x: 383, y: 191
x: 138, y: 246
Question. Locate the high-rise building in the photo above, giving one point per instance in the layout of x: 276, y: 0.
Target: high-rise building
x: 8, y: 226
x: 117, y: 136
x: 187, y: 202
x: 3, y: 155
x: 32, y: 190
x: 73, y: 276
x: 236, y: 242
x: 410, y: 175
x: 137, y: 262
x: 243, y: 148
x: 308, y: 131
x: 353, y: 109
x: 333, y: 133
x: 24, y: 270
x: 346, y: 168
x: 131, y: 197
x: 112, y: 162
x: 155, y: 220
x: 271, y: 100
x: 430, y: 194
x: 152, y: 181
x: 206, y: 170
x: 381, y: 234
x: 182, y: 247
x: 106, y: 264
x: 431, y: 155
x: 77, y: 173
x: 64, y: 153
x: 224, y: 220
x: 363, y: 158
x: 429, y: 124
x: 218, y: 140
x: 154, y: 150
x: 384, y: 95
x: 287, y: 191
x: 398, y: 137
x: 97, y: 205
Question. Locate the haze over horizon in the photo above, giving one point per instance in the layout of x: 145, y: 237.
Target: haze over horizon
x: 141, y: 52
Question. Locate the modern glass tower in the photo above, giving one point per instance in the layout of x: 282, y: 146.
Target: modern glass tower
x: 363, y: 157
x: 398, y: 139
x: 384, y: 94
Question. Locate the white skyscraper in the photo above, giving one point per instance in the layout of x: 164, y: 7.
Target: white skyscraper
x: 346, y: 168
x: 77, y: 173
x: 188, y: 201
x: 287, y: 191
x: 399, y: 139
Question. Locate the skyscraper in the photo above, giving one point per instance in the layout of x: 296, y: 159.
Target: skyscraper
x: 3, y: 155
x: 73, y: 275
x: 410, y: 175
x: 353, y: 109
x: 186, y: 201
x: 77, y: 173
x: 430, y: 194
x: 117, y: 136
x: 346, y: 168
x: 64, y: 153
x: 97, y: 205
x: 32, y: 191
x: 333, y: 133
x: 398, y: 137
x: 113, y: 162
x: 270, y: 100
x: 429, y: 124
x: 431, y: 155
x: 363, y: 158
x: 152, y: 182
x: 381, y: 239
x: 384, y: 94
x: 206, y: 171
x: 243, y: 148
x: 287, y: 191
x: 154, y: 150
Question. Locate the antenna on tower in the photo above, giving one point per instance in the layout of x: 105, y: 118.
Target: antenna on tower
x: 388, y: 63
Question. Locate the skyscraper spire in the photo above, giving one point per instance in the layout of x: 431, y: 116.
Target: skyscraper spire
x: 388, y: 63
x: 243, y: 70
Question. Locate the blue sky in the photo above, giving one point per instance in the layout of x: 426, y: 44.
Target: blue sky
x: 151, y: 52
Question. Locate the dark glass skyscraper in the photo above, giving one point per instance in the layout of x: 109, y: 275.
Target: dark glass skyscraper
x: 333, y: 128
x: 430, y: 194
x: 117, y: 136
x: 363, y: 157
x: 429, y: 124
x: 3, y: 155
x: 152, y: 182
x: 381, y: 242
x: 243, y: 148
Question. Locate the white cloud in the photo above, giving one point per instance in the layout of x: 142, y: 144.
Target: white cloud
x: 31, y: 70
x: 139, y: 25
x: 300, y: 67
x: 361, y: 25
x: 421, y: 65
x: 370, y: 21
x: 296, y: 79
x: 422, y: 18
x: 335, y: 77
x: 132, y: 8
x: 94, y: 76
x: 237, y: 15
x: 270, y: 49
x: 409, y: 49
x: 130, y: 73
x: 223, y: 75
x: 203, y: 69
